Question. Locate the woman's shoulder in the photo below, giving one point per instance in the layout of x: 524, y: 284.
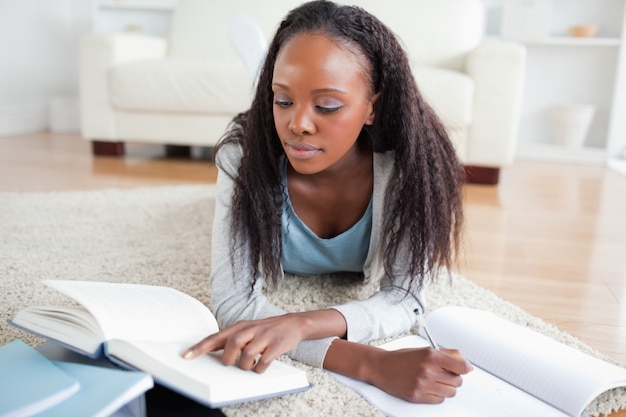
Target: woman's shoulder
x: 384, y: 161
x: 228, y: 157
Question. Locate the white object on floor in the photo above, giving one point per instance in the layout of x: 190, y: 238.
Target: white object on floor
x: 572, y: 123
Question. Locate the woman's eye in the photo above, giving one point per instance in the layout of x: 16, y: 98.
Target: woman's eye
x: 328, y: 105
x: 282, y: 103
x: 327, y: 110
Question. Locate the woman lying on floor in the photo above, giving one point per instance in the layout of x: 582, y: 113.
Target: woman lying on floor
x: 339, y: 165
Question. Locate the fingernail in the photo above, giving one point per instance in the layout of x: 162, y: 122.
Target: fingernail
x: 188, y: 354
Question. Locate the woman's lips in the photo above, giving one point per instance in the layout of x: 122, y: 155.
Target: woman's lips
x: 301, y: 150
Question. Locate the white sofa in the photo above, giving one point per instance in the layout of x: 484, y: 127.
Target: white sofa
x: 184, y: 90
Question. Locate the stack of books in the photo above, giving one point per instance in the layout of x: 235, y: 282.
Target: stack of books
x: 31, y: 384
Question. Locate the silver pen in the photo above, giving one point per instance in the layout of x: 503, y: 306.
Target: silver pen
x: 422, y: 323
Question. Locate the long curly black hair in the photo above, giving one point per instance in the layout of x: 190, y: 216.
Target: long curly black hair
x: 423, y: 201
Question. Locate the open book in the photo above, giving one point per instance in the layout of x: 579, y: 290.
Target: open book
x: 517, y: 372
x: 148, y: 328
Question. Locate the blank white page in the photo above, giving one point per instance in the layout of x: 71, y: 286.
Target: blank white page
x: 559, y: 374
x: 482, y: 395
x: 141, y: 312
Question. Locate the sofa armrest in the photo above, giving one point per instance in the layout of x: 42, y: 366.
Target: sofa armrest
x: 98, y: 52
x: 498, y: 69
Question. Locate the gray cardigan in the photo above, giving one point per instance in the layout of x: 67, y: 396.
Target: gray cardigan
x: 386, y: 312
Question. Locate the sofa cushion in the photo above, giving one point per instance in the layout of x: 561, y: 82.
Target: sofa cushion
x: 181, y: 86
x: 450, y: 94
x: 200, y: 27
x: 434, y: 32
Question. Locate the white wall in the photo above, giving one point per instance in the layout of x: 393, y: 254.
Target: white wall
x: 585, y: 71
x: 38, y: 59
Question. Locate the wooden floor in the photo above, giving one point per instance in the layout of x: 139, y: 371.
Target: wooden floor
x: 550, y: 238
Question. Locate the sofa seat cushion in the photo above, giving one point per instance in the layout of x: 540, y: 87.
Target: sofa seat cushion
x: 449, y: 93
x: 181, y: 86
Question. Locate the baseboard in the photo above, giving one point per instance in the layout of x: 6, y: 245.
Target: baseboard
x: 546, y: 152
x: 64, y: 114
x: 23, y: 119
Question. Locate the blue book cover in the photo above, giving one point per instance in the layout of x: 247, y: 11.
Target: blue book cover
x: 102, y: 390
x: 30, y: 383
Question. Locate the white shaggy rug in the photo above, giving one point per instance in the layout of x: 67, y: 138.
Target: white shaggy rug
x: 161, y: 235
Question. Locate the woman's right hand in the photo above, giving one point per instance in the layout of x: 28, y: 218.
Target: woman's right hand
x: 419, y: 375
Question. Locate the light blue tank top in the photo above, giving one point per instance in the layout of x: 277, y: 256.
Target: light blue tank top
x: 304, y: 253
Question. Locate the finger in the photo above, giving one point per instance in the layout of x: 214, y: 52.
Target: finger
x: 267, y: 357
x: 257, y: 354
x: 208, y: 344
x: 249, y: 356
x: 235, y: 348
x: 436, y: 394
x: 446, y: 391
x: 432, y: 399
x: 453, y: 361
x: 452, y: 380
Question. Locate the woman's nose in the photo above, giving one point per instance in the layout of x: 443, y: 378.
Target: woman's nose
x: 302, y: 123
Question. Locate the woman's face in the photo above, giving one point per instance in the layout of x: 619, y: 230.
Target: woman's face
x: 322, y: 99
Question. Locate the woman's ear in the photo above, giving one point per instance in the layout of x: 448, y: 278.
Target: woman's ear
x: 369, y: 120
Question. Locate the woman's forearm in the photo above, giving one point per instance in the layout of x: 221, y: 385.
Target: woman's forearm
x: 351, y: 359
x: 318, y: 324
